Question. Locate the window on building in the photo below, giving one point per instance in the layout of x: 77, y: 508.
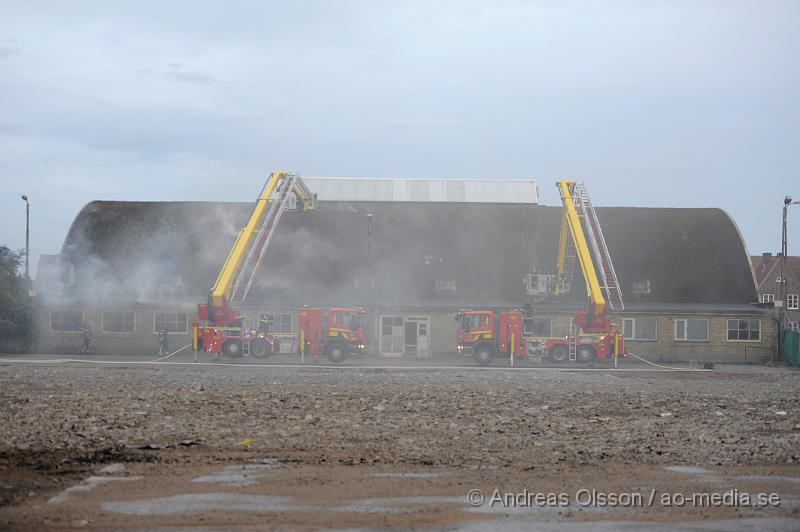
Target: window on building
x: 792, y: 301
x: 66, y: 320
x: 641, y: 287
x: 175, y: 322
x: 445, y: 284
x: 364, y: 283
x: 744, y: 330
x: 768, y: 298
x: 275, y: 323
x: 691, y: 330
x: 793, y: 326
x: 640, y: 328
x: 119, y: 321
x: 537, y: 327
x: 388, y: 322
x: 392, y: 334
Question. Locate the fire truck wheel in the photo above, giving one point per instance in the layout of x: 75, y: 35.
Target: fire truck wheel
x: 484, y: 355
x: 585, y: 354
x: 559, y: 353
x: 232, y: 348
x: 336, y: 352
x: 260, y: 349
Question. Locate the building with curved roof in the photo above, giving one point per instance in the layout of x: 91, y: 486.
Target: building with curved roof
x: 412, y: 264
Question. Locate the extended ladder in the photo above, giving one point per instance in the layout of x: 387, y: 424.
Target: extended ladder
x: 608, y: 276
x: 570, y: 257
x: 538, y: 285
x: 567, y: 245
x: 288, y: 185
x: 245, y: 337
x: 573, y: 340
x: 530, y: 238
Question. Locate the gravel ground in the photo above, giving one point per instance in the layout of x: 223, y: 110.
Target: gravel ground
x: 60, y: 421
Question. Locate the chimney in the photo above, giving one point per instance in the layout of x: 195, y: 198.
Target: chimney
x: 765, y: 257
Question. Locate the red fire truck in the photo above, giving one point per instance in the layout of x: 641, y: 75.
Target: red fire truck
x: 336, y: 332
x: 332, y: 332
x: 485, y: 334
x: 592, y: 335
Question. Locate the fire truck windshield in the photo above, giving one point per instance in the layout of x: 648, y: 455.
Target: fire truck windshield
x: 350, y: 320
x: 471, y: 321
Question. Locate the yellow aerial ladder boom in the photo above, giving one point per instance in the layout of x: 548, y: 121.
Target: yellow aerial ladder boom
x: 238, y: 271
x: 571, y: 227
x: 582, y: 234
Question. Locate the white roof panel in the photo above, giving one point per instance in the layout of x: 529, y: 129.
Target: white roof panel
x: 424, y: 190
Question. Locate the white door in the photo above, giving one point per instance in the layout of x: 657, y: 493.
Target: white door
x: 423, y: 340
x: 417, y: 339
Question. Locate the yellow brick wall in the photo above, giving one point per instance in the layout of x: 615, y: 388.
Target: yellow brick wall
x: 717, y: 349
x: 442, y: 334
x: 142, y: 341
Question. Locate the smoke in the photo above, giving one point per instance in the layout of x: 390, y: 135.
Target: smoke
x: 408, y: 255
x: 411, y: 255
x: 144, y: 253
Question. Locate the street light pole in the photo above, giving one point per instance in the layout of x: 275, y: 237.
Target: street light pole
x: 787, y: 201
x: 783, y: 320
x: 27, y: 238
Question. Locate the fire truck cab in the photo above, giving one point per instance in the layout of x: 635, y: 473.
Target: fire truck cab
x: 335, y: 333
x: 483, y: 334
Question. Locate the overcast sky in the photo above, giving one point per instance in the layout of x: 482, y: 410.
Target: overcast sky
x: 651, y: 103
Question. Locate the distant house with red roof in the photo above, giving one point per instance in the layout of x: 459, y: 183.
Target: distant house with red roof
x: 769, y: 273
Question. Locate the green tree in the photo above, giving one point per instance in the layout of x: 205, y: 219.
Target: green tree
x: 16, y: 307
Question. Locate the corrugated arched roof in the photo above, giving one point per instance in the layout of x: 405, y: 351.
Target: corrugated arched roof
x: 140, y: 251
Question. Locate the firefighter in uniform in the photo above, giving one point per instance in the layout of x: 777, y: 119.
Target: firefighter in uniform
x: 87, y: 338
x: 163, y: 340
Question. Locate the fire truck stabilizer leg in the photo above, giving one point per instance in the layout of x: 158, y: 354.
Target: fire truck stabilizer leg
x: 194, y: 339
x: 302, y: 344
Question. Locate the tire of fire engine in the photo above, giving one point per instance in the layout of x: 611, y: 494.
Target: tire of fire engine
x: 585, y: 354
x: 336, y: 352
x: 232, y: 348
x: 484, y: 354
x: 559, y: 353
x: 260, y: 349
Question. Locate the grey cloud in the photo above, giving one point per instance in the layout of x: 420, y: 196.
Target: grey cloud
x: 661, y: 103
x: 8, y: 51
x: 191, y: 77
